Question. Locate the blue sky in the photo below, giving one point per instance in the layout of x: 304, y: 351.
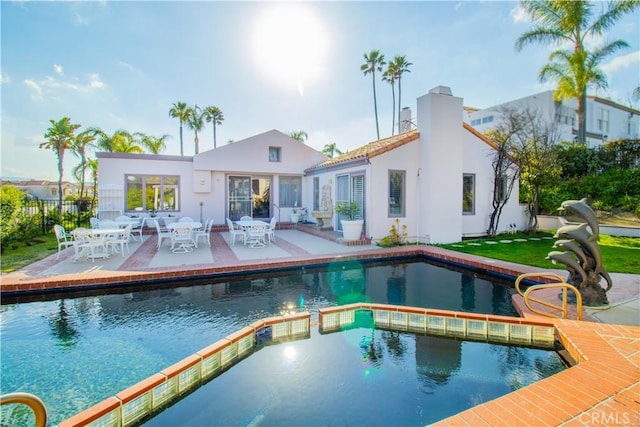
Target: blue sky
x: 286, y: 66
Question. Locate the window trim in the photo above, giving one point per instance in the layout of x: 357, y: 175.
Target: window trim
x: 297, y: 203
x: 278, y: 151
x: 144, y: 186
x: 403, y: 195
x: 473, y: 194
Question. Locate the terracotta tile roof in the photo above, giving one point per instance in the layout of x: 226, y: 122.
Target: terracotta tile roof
x: 372, y: 149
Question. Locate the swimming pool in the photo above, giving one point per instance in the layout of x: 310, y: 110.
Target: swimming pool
x: 78, y: 348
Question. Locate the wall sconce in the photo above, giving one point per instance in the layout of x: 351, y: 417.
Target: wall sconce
x: 202, y: 182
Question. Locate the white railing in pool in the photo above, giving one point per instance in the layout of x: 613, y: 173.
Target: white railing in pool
x: 150, y: 395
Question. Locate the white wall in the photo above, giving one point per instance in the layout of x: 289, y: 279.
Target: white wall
x: 441, y: 156
x: 405, y: 158
x: 112, y: 168
x: 477, y: 160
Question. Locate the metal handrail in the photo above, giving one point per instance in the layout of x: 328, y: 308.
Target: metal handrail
x: 32, y: 401
x: 559, y: 285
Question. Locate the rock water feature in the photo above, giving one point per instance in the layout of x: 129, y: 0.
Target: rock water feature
x: 581, y: 254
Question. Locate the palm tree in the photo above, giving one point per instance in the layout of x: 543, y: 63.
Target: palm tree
x: 572, y: 22
x: 181, y: 111
x: 374, y: 61
x: 331, y: 150
x: 153, y: 144
x: 390, y: 76
x: 213, y: 115
x: 79, y: 147
x: 195, y: 122
x: 401, y: 66
x: 299, y: 135
x: 120, y: 142
x: 92, y: 165
x: 60, y: 137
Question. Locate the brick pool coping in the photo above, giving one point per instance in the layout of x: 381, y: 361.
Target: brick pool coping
x: 602, y: 389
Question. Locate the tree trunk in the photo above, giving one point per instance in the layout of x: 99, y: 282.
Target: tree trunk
x: 181, y: 145
x: 375, y: 104
x: 60, y: 173
x: 399, y: 104
x: 393, y: 115
x: 582, y: 112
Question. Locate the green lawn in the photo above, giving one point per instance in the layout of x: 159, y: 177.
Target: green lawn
x: 619, y: 254
x: 23, y: 255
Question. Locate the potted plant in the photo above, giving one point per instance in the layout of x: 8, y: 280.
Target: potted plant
x: 351, y: 227
x: 294, y: 216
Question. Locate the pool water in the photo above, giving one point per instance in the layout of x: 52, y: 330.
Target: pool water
x: 360, y: 377
x: 74, y: 352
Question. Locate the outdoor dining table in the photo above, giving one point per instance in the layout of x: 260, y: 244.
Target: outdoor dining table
x: 255, y: 231
x: 99, y: 249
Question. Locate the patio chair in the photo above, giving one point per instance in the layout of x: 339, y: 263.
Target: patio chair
x: 161, y: 234
x: 256, y: 236
x: 120, y: 239
x: 95, y: 222
x: 235, y: 232
x: 64, y: 240
x: 136, y: 225
x: 86, y: 241
x: 182, y: 239
x: 186, y: 219
x: 270, y: 231
x: 205, y: 233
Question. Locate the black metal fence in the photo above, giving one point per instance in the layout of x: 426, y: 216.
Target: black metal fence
x: 45, y: 213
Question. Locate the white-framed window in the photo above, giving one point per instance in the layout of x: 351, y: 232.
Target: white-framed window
x: 290, y: 191
x: 397, y: 193
x: 468, y: 194
x: 275, y: 154
x: 316, y: 193
x: 603, y: 120
x: 147, y: 192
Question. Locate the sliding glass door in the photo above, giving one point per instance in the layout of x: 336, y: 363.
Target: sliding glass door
x: 249, y: 196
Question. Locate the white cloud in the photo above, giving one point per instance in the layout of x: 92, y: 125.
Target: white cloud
x: 36, y: 90
x: 58, y: 69
x: 620, y: 62
x: 50, y: 84
x: 5, y: 79
x: 518, y: 15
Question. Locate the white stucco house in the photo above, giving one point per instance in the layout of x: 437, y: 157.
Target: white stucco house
x: 605, y: 120
x: 419, y: 177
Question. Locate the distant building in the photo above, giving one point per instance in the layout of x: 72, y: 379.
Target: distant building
x: 43, y: 189
x: 605, y: 120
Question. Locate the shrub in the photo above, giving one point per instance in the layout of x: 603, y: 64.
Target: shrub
x: 395, y: 237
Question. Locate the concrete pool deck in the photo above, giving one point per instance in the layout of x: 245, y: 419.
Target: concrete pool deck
x: 602, y: 389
